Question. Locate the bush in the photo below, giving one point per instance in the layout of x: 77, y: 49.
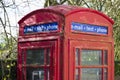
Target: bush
x: 8, y: 70
x: 117, y: 68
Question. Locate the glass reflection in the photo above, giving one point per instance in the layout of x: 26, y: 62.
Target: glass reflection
x: 105, y: 74
x: 35, y: 56
x: 35, y: 74
x: 91, y: 57
x: 77, y: 74
x: 91, y: 74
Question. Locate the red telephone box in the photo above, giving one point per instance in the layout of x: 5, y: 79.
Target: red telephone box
x: 65, y: 43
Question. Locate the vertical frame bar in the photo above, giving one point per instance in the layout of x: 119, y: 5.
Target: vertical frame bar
x: 80, y: 53
x: 45, y: 64
x: 102, y: 75
x: 25, y: 59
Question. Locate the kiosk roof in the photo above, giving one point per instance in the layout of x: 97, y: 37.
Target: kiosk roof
x: 66, y: 10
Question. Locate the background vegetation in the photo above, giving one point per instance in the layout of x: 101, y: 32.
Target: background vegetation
x: 8, y: 40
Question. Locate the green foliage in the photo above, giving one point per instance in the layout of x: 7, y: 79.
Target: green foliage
x: 117, y: 68
x: 8, y: 50
x: 8, y: 70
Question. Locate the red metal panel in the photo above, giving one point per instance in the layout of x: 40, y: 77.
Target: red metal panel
x: 40, y: 18
x: 57, y: 14
x: 64, y: 64
x: 88, y: 18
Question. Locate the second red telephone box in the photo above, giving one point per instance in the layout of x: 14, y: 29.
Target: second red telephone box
x: 65, y: 43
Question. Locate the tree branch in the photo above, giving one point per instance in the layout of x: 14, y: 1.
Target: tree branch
x: 86, y: 3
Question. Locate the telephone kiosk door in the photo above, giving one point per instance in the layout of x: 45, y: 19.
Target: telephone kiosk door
x: 92, y: 60
x: 37, y: 61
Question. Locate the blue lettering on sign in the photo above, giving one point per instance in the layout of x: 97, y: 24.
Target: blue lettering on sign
x: 89, y: 28
x: 41, y: 28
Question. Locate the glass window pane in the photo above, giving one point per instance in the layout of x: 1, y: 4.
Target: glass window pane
x: 35, y: 74
x: 91, y: 74
x: 105, y: 74
x: 77, y: 56
x: 77, y: 74
x: 35, y: 56
x: 105, y: 57
x: 48, y: 74
x: 91, y: 57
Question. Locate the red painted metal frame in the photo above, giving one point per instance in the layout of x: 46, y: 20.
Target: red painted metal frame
x: 79, y: 66
x: 85, y: 45
x: 35, y: 45
x: 45, y: 66
x: 89, y: 17
x: 63, y: 39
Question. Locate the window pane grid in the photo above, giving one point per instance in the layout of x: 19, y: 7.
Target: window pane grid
x: 36, y: 64
x: 91, y: 74
x: 91, y: 57
x: 35, y: 57
x: 95, y: 63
